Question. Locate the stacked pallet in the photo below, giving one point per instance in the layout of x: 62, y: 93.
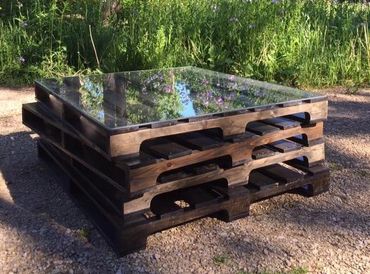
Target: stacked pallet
x: 137, y: 180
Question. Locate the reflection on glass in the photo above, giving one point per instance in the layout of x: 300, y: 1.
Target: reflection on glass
x: 139, y: 97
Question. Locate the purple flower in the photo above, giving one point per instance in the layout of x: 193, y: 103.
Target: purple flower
x: 168, y: 89
x: 220, y: 100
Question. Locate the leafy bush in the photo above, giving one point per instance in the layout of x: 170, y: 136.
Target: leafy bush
x: 299, y: 42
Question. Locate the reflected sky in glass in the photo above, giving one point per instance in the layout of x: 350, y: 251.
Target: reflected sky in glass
x: 140, y: 97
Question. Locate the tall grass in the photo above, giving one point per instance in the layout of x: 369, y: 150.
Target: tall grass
x: 297, y: 42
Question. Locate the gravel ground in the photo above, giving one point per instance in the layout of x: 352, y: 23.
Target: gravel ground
x: 42, y: 231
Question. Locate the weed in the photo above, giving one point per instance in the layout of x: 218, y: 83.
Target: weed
x: 335, y: 166
x: 84, y: 233
x: 220, y: 259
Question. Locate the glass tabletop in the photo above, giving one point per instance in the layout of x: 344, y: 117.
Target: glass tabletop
x: 123, y: 99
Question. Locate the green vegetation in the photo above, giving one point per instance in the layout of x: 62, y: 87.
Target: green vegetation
x: 297, y: 42
x: 220, y: 259
x: 84, y: 233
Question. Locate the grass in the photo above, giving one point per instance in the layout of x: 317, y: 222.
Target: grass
x: 84, y: 233
x: 299, y: 43
x: 220, y: 259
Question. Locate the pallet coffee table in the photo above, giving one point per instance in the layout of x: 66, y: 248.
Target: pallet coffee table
x: 148, y: 150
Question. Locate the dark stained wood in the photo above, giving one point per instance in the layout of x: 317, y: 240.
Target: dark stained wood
x: 136, y: 161
x: 127, y: 140
x: 263, y: 152
x: 282, y: 122
x: 129, y: 234
x: 187, y: 171
x: 71, y: 144
x: 261, y: 128
x: 299, y: 117
x: 247, y: 135
x: 140, y: 179
x: 284, y: 146
x: 261, y: 181
x: 165, y: 148
x: 281, y: 173
x: 141, y: 171
x: 197, y: 140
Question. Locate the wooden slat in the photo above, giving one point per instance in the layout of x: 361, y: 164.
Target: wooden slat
x: 261, y: 128
x: 299, y: 117
x: 263, y: 152
x: 281, y: 173
x: 187, y: 172
x: 165, y: 148
x: 143, y: 159
x: 196, y: 170
x: 262, y: 108
x: 284, y: 146
x: 164, y: 206
x: 163, y: 123
x: 242, y: 137
x: 197, y: 140
x: 282, y: 122
x: 312, y: 168
x: 173, y: 176
x: 202, y: 197
x: 262, y: 181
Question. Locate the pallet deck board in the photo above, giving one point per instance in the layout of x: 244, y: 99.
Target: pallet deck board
x: 261, y: 128
x: 284, y: 146
x: 282, y: 122
x: 165, y: 148
x: 281, y: 173
x: 261, y: 181
x: 264, y: 152
x: 197, y: 140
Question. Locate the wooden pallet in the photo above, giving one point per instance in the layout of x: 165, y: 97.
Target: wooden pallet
x: 177, y: 207
x: 128, y: 140
x: 232, y: 160
x: 189, y: 176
